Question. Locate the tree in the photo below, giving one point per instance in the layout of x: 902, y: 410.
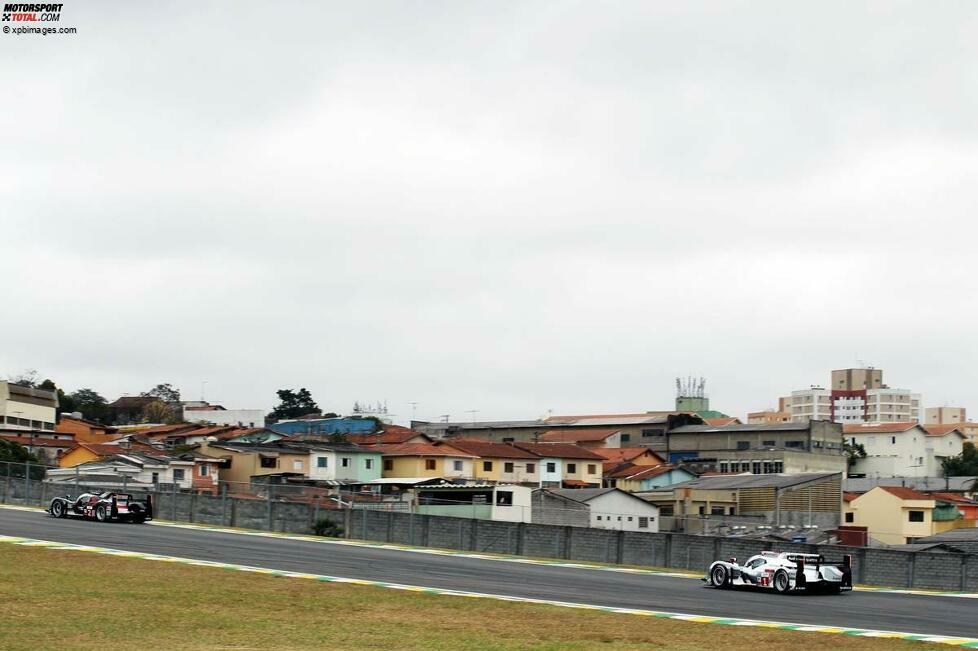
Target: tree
x: 854, y: 452
x: 48, y: 385
x: 160, y: 412
x: 89, y: 403
x: 164, y: 392
x: 293, y: 404
x: 26, y: 379
x: 14, y: 454
x: 66, y: 404
x: 963, y: 465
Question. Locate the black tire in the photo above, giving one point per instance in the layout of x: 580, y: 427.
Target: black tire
x: 101, y: 514
x: 59, y: 509
x: 781, y: 582
x: 719, y: 576
x: 833, y: 589
x: 139, y: 518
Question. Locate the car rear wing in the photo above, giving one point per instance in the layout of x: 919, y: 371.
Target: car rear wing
x: 844, y: 566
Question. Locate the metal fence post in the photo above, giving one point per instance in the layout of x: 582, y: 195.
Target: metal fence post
x: 224, y: 505
x: 27, y: 483
x: 271, y: 524
x: 173, y: 501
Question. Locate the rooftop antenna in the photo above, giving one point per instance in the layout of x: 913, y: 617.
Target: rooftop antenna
x: 202, y: 385
x: 445, y: 417
x: 414, y: 409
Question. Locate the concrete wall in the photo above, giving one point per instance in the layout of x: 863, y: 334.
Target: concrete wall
x: 903, y: 569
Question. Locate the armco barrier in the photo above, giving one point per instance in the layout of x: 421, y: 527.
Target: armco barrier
x: 882, y: 567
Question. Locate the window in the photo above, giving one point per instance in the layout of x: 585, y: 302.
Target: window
x: 551, y: 466
x: 297, y: 464
x: 178, y: 475
x: 794, y: 444
x: 508, y: 466
x: 509, y: 439
x: 768, y: 444
x: 716, y: 510
x: 268, y: 462
x: 345, y: 462
x: 625, y: 438
x: 531, y: 468
x: 629, y: 518
x: 893, y: 440
x: 599, y: 518
x: 156, y: 477
x: 646, y: 433
x: 487, y: 466
x: 643, y: 522
x: 916, y: 516
x: 368, y: 464
x: 743, y: 445
x: 756, y: 563
x: 429, y: 464
x: 203, y: 470
x: 732, y: 510
x: 666, y: 509
x: 388, y: 464
x: 766, y: 468
x: 724, y: 466
x: 504, y: 498
x: 592, y: 468
x: 778, y: 467
x: 457, y: 465
x: 849, y: 517
x: 321, y: 462
x: 756, y: 467
x: 702, y: 510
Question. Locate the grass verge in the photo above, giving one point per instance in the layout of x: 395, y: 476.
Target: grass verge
x: 71, y: 600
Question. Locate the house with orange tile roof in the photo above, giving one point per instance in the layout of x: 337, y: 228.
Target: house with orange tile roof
x: 895, y: 515
x: 425, y: 460
x: 389, y: 434
x: 564, y: 465
x: 81, y: 453
x: 85, y: 431
x: 902, y: 449
x: 500, y: 462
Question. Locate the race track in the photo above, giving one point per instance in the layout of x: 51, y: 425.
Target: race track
x: 930, y: 615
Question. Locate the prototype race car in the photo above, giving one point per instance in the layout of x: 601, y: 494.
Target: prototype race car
x: 783, y: 572
x: 104, y: 507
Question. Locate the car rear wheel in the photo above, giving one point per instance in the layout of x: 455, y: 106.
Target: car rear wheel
x: 100, y: 513
x: 781, y: 582
x: 58, y: 509
x: 718, y: 576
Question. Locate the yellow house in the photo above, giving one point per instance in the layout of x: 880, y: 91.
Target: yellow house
x: 564, y: 465
x: 500, y: 462
x: 893, y: 515
x: 85, y: 452
x: 425, y: 460
x: 244, y: 461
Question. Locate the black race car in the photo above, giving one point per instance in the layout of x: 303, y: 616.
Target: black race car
x: 104, y: 507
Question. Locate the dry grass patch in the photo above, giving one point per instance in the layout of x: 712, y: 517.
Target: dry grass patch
x: 75, y: 600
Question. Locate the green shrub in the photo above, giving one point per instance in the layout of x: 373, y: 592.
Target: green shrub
x: 326, y: 527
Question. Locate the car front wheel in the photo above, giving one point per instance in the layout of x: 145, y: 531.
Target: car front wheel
x: 100, y: 513
x: 58, y: 509
x: 718, y: 576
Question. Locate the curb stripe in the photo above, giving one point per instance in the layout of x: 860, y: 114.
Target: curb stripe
x: 703, y: 619
x: 504, y: 558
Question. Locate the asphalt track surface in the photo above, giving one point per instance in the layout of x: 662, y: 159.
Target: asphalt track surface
x: 929, y: 615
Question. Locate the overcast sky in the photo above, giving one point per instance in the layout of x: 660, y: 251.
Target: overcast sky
x: 508, y: 207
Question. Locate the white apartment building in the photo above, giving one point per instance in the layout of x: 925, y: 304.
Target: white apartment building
x: 814, y: 403
x: 27, y: 408
x: 901, y: 449
x: 857, y: 396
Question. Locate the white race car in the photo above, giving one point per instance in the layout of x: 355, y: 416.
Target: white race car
x: 783, y: 572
